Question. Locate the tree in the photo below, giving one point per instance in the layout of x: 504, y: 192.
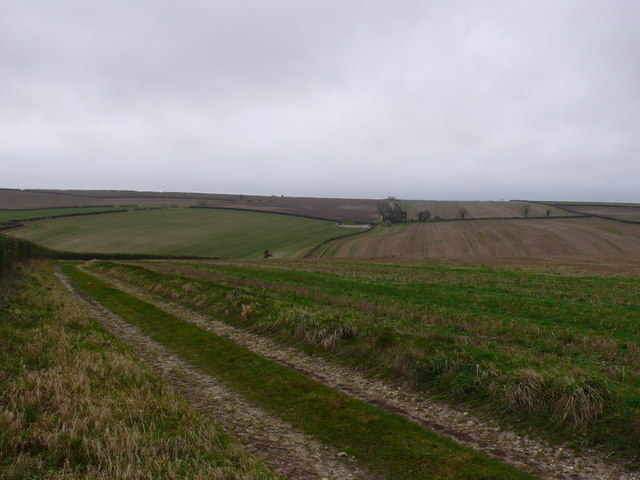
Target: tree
x: 424, y: 216
x: 267, y: 254
x: 525, y: 211
x: 548, y: 212
x: 391, y: 211
x: 461, y: 213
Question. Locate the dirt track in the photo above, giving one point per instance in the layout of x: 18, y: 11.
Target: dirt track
x: 292, y: 454
x: 528, y: 454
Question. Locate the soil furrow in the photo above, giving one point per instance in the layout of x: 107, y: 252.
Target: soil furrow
x: 291, y: 453
x: 528, y: 454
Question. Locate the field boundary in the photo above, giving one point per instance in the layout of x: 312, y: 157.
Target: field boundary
x: 596, y: 215
x: 311, y: 252
x: 256, y: 210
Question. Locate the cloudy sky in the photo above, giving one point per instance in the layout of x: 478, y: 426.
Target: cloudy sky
x: 417, y: 99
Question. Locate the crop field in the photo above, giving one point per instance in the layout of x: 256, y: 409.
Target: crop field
x: 492, y: 238
x: 541, y: 351
x: 13, y: 215
x: 350, y: 210
x: 184, y: 231
x: 629, y: 213
x: 21, y: 199
x: 480, y: 209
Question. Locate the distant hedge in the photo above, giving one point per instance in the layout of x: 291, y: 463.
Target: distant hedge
x: 14, y: 250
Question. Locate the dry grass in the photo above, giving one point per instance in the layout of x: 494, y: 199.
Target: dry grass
x: 75, y: 404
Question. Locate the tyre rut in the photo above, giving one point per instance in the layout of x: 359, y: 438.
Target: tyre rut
x: 292, y: 454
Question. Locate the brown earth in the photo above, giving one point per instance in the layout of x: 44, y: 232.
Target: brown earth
x: 617, y: 212
x: 480, y: 209
x: 493, y: 238
x: 350, y: 210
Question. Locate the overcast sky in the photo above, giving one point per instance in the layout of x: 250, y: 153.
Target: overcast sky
x: 477, y: 99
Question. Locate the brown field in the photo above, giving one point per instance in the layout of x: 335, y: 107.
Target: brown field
x: 619, y: 213
x: 24, y: 199
x: 480, y: 209
x: 493, y: 238
x: 350, y: 210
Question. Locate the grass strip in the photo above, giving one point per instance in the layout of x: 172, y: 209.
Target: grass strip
x: 386, y: 443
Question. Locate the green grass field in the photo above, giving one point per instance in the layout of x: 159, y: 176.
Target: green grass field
x: 184, y: 231
x: 549, y: 352
x: 11, y: 215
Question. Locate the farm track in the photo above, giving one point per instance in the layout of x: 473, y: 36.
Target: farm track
x: 528, y: 454
x: 289, y: 452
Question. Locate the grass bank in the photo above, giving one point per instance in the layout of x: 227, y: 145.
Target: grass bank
x: 74, y: 403
x: 553, y: 353
x: 385, y: 443
x: 184, y: 231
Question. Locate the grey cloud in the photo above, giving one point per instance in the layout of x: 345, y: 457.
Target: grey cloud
x: 461, y: 99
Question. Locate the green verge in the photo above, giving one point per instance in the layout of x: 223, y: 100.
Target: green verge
x: 76, y: 404
x: 554, y: 355
x: 383, y: 442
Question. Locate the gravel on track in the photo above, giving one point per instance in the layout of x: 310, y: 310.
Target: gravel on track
x: 291, y: 453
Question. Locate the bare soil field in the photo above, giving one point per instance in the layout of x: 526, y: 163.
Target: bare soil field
x: 617, y: 212
x: 28, y: 199
x: 493, y: 238
x: 350, y: 210
x: 480, y: 209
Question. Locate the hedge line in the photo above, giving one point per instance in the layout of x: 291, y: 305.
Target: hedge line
x: 14, y: 250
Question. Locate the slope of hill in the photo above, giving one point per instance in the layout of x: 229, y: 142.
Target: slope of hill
x: 184, y: 231
x: 481, y: 209
x: 492, y: 238
x: 350, y: 210
x: 623, y: 213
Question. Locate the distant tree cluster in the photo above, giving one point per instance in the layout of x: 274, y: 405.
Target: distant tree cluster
x: 391, y: 211
x: 424, y: 216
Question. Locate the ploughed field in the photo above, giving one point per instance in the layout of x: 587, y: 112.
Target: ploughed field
x: 482, y: 209
x: 348, y: 209
x: 184, y: 231
x: 491, y: 238
x: 550, y: 353
x: 618, y: 212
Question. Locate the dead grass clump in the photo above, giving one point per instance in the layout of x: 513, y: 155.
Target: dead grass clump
x: 427, y: 369
x: 632, y: 353
x: 581, y: 402
x: 247, y: 312
x: 527, y: 393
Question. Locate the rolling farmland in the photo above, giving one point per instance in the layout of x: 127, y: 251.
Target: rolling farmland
x: 184, y: 231
x: 480, y: 209
x: 322, y: 364
x: 618, y: 212
x: 15, y: 215
x: 492, y: 238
